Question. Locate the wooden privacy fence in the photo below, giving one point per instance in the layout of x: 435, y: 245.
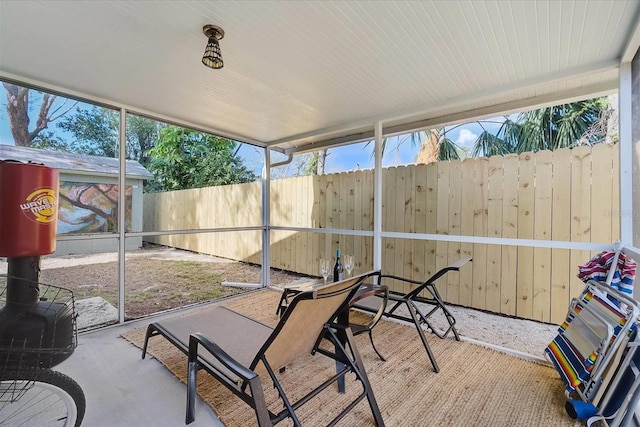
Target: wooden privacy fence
x: 565, y: 195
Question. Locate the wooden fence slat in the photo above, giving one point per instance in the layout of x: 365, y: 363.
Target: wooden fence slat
x: 442, y: 221
x: 495, y: 181
x: 350, y: 190
x: 543, y: 194
x: 524, y: 291
x: 561, y: 268
x: 399, y: 225
x: 282, y: 236
x: 409, y: 223
x: 366, y: 263
x: 615, y: 199
x: 602, y: 175
x: 316, y: 241
x: 466, y: 229
x: 322, y: 216
x: 480, y: 224
x: 359, y: 209
x: 509, y: 260
x: 340, y: 188
x: 305, y: 263
x: 455, y: 219
x: 580, y: 210
x: 509, y: 267
x: 420, y: 203
x: 290, y: 255
x: 388, y: 214
x: 431, y: 222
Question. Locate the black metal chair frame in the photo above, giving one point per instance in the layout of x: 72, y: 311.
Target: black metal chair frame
x: 410, y: 299
x: 247, y: 380
x: 366, y: 291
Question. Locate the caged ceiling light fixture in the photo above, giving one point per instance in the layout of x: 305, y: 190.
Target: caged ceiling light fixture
x: 212, y: 57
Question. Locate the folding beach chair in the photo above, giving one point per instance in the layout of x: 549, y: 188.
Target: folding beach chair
x: 413, y: 300
x: 589, y: 336
x: 618, y: 396
x: 596, y: 344
x: 245, y: 355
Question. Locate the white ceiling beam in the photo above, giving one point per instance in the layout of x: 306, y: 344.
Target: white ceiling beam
x: 421, y: 120
x: 109, y: 103
x: 572, y: 95
x: 597, y: 90
x: 633, y: 44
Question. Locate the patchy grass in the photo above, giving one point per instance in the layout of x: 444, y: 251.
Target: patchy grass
x: 154, y: 285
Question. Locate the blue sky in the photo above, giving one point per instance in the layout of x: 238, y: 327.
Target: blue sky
x: 400, y: 151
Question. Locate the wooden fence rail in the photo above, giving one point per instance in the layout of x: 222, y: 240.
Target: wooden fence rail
x: 569, y: 195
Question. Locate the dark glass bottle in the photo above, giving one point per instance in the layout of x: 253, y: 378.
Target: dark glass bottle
x: 338, y: 270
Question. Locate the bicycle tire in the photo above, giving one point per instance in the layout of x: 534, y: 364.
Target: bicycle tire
x: 41, y: 397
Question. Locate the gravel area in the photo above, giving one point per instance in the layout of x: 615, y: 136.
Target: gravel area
x: 516, y: 335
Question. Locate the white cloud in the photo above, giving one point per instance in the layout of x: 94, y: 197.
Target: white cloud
x: 466, y: 138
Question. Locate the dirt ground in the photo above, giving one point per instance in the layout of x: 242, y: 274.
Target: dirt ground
x: 157, y: 278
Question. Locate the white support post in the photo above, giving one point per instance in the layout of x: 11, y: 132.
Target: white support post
x: 626, y: 155
x: 377, y: 199
x: 122, y: 212
x: 266, y: 219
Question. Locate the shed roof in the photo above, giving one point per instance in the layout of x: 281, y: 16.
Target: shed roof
x: 73, y: 163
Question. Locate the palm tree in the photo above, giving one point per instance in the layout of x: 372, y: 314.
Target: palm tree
x: 565, y: 125
x: 437, y: 146
x: 560, y: 126
x: 434, y: 145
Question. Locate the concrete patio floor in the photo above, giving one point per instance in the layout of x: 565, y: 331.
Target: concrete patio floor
x: 122, y: 389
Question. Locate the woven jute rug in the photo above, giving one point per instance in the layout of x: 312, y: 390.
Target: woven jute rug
x: 476, y: 386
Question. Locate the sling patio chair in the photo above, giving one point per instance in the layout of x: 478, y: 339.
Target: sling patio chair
x: 366, y: 327
x: 425, y: 294
x: 246, y: 356
x: 358, y: 327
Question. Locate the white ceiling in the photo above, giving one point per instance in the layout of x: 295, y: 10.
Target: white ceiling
x: 299, y: 74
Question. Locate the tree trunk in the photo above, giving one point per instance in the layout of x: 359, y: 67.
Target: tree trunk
x: 18, y: 112
x: 322, y: 156
x: 429, y: 148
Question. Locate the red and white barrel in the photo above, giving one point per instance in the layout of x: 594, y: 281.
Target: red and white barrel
x: 28, y: 209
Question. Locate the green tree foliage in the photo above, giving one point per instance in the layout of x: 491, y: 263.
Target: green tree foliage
x: 560, y: 126
x: 96, y: 132
x: 48, y: 140
x: 184, y: 158
x: 503, y: 142
x: 142, y: 133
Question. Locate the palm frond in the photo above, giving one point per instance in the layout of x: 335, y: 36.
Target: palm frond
x: 448, y: 150
x: 489, y: 145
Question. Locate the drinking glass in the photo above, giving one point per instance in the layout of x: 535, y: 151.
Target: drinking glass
x: 348, y: 264
x: 325, y: 268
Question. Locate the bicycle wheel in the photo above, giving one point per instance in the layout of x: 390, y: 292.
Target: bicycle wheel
x: 40, y: 397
